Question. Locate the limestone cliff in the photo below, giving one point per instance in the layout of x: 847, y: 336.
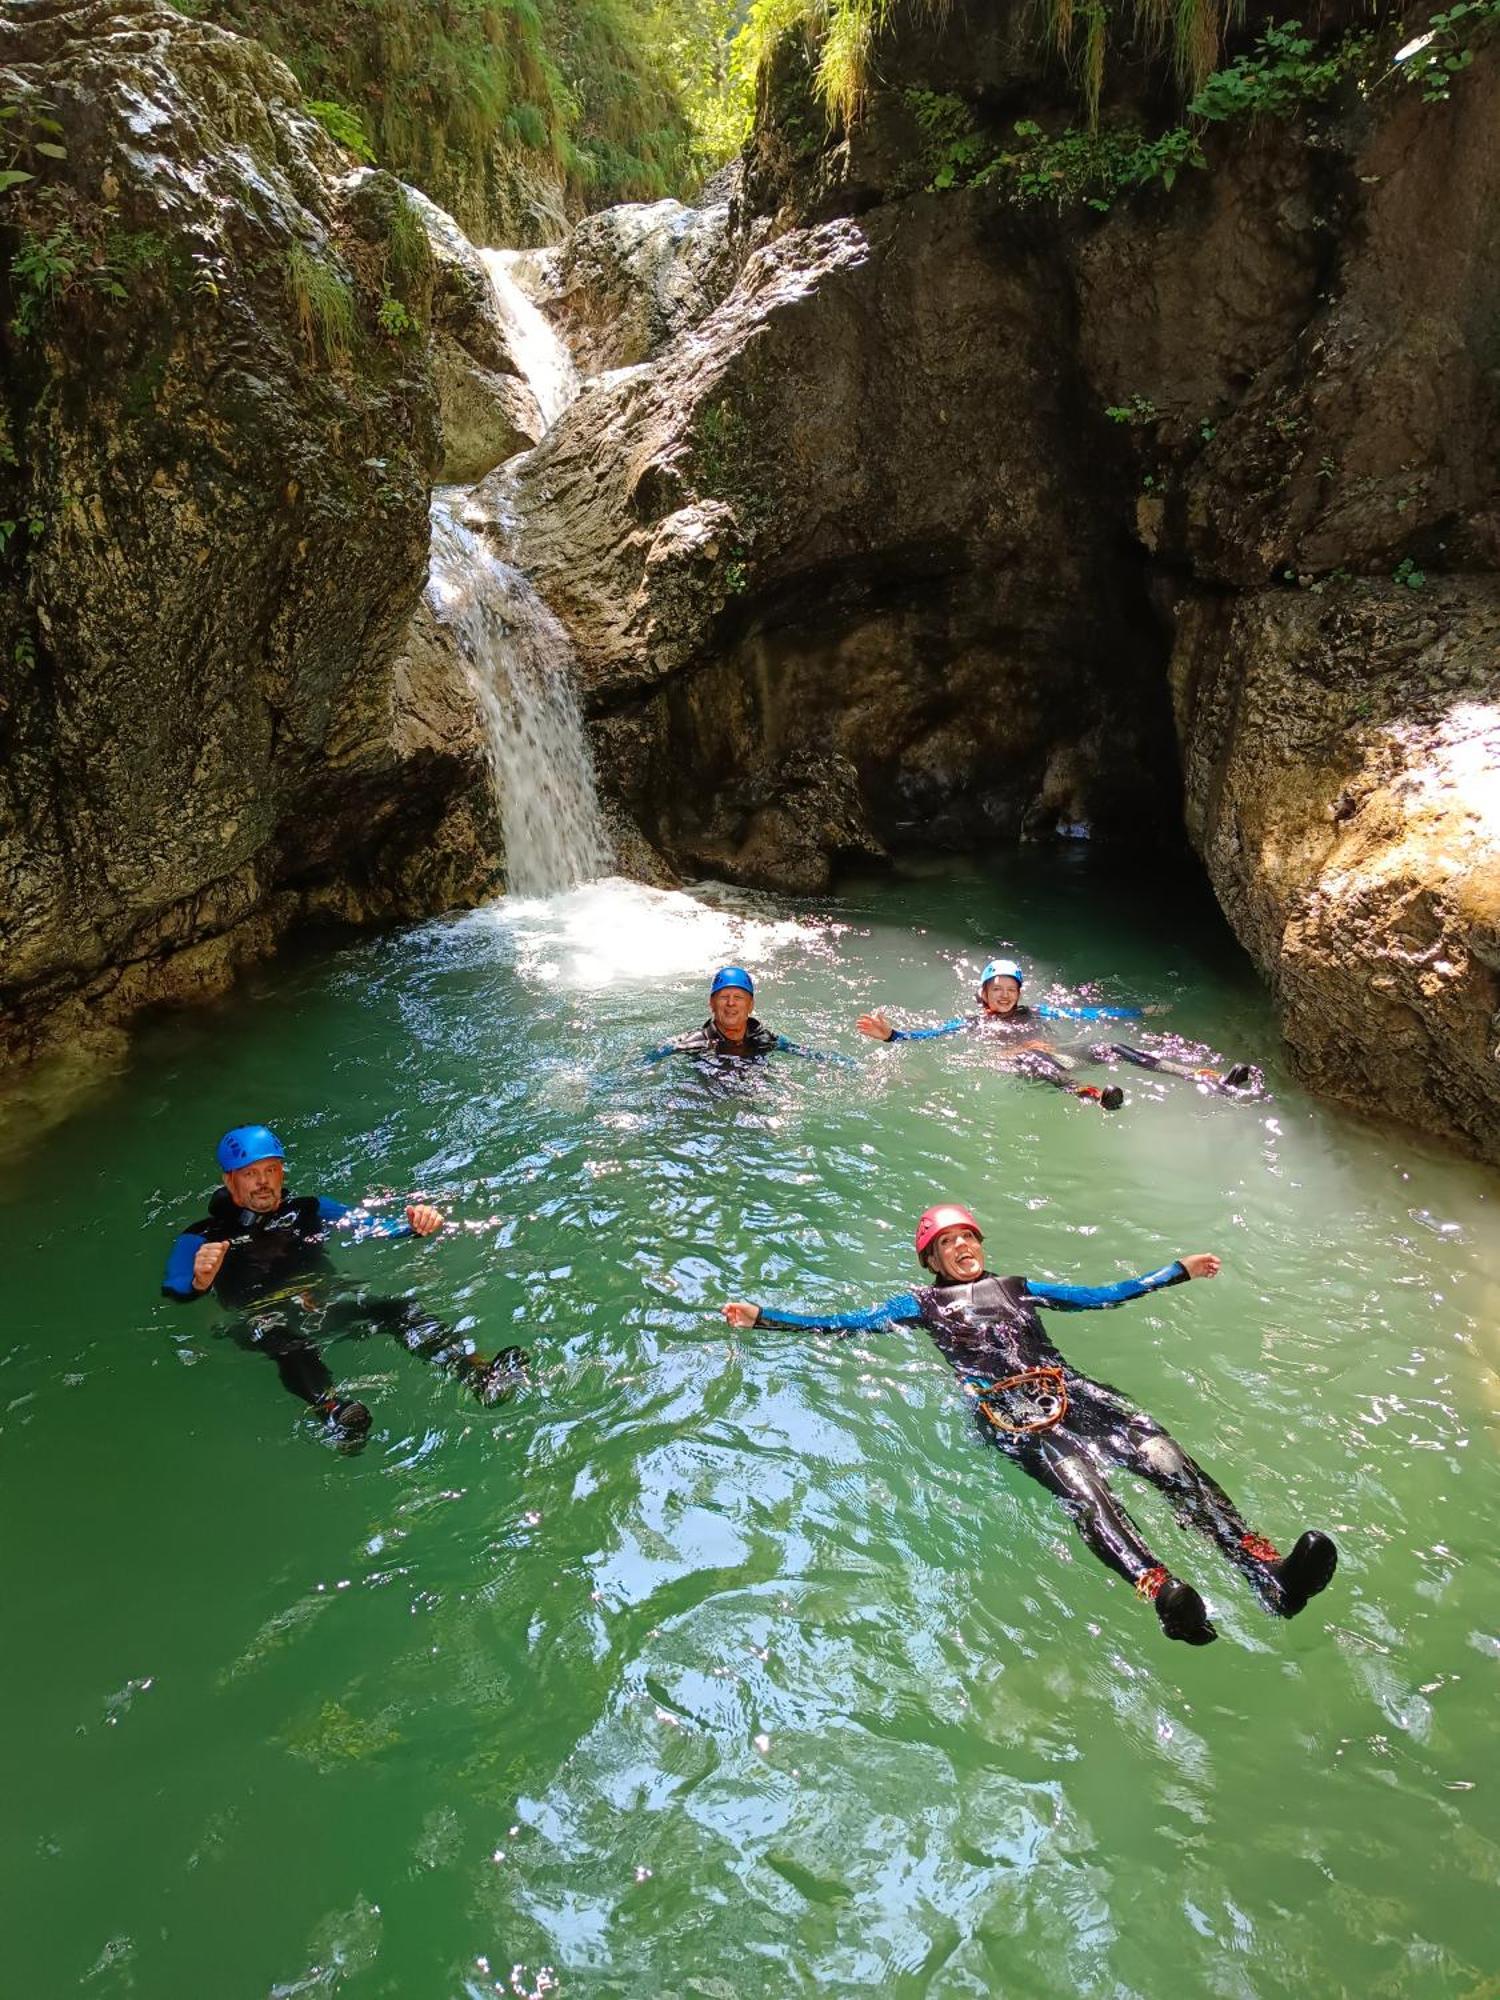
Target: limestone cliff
x: 220, y: 434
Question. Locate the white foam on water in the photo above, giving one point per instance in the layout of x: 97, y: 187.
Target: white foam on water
x: 617, y: 932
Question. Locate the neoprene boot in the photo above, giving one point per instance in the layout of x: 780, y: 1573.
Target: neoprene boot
x: 1108, y: 1099
x: 348, y: 1419
x: 1237, y: 1077
x: 1285, y: 1583
x: 1183, y: 1613
x: 1307, y: 1570
x: 498, y: 1380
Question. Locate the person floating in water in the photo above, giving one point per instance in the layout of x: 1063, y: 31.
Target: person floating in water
x: 731, y: 1028
x: 261, y: 1251
x: 1000, y: 1013
x: 1067, y: 1430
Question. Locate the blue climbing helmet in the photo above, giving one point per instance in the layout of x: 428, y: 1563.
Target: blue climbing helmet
x: 246, y: 1144
x: 732, y: 976
x: 999, y: 968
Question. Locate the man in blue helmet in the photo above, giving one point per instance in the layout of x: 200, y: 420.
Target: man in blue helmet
x: 1000, y: 1013
x: 262, y: 1253
x: 731, y: 1028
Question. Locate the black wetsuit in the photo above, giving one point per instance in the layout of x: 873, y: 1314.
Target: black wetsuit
x: 1023, y: 1026
x: 1048, y: 1065
x: 990, y: 1330
x: 758, y: 1040
x: 278, y: 1281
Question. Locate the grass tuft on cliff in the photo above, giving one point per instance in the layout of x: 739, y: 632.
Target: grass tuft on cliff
x: 491, y: 106
x: 324, y: 305
x: 1082, y: 31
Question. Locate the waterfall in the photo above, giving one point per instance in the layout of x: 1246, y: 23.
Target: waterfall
x: 543, y: 358
x: 519, y: 658
x: 520, y: 661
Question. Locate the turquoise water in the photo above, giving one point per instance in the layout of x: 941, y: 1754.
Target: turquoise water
x: 722, y: 1664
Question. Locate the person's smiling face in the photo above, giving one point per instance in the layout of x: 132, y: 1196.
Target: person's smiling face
x: 1001, y: 995
x: 730, y: 1008
x: 957, y: 1256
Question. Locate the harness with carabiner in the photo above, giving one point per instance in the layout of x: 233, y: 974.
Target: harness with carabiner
x: 1046, y: 1385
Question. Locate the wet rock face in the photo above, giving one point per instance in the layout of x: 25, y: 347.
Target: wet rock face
x: 627, y: 281
x: 1343, y: 786
x: 1311, y: 334
x: 826, y: 534
x: 205, y: 726
x: 486, y: 409
x: 1310, y: 325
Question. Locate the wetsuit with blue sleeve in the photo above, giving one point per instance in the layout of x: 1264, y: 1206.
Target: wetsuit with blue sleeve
x: 265, y: 1250
x: 278, y: 1280
x: 758, y: 1040
x: 1017, y: 1020
x: 991, y: 1330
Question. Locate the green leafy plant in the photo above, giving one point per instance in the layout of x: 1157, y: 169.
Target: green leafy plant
x: 1284, y: 71
x: 1081, y: 30
x: 1092, y: 165
x: 1139, y: 410
x: 33, y: 525
x: 52, y: 266
x: 1406, y: 572
x: 726, y: 464
x: 409, y: 254
x: 344, y: 124
x: 954, y: 146
x: 484, y: 103
x: 28, y: 133
x: 393, y: 319
x: 1434, y: 60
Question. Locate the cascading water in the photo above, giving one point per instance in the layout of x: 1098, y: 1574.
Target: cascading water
x: 520, y: 661
x: 518, y: 655
x: 543, y: 358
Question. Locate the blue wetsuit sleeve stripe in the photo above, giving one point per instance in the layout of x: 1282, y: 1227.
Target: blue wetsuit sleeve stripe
x: 331, y: 1211
x: 901, y: 1310
x: 1088, y: 1298
x: 177, y: 1279
x: 931, y: 1034
x: 1051, y: 1013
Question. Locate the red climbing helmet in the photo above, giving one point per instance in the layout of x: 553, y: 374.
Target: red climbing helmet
x: 947, y: 1215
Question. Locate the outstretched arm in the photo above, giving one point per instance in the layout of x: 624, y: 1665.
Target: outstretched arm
x: 1051, y: 1012
x: 902, y: 1310
x: 789, y: 1048
x: 680, y: 1045
x: 1086, y: 1298
x: 879, y: 1029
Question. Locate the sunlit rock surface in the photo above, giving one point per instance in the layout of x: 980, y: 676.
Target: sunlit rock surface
x: 1343, y: 787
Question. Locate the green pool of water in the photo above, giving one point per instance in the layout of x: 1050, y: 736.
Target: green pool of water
x: 729, y: 1666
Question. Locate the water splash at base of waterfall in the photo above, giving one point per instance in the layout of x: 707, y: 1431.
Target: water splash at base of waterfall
x: 520, y: 663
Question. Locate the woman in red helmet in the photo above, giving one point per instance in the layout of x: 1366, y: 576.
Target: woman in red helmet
x: 1067, y: 1430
